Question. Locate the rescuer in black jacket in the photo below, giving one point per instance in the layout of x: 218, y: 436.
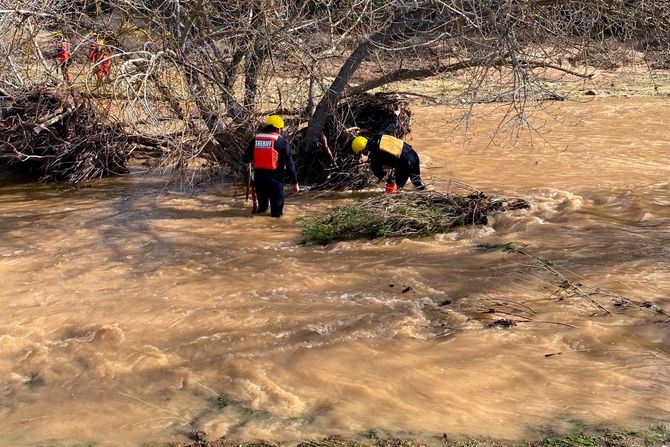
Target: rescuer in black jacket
x: 270, y: 156
x: 387, y: 152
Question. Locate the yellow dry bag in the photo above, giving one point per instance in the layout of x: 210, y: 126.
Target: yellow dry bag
x: 391, y: 145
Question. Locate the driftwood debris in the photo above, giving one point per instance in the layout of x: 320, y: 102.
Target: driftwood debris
x: 228, y: 146
x: 54, y: 133
x: 330, y: 164
x: 407, y: 214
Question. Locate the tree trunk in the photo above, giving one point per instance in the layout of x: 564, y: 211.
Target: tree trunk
x: 252, y: 69
x: 226, y: 77
x: 400, y: 28
x: 311, y: 94
x: 205, y: 106
x: 230, y: 75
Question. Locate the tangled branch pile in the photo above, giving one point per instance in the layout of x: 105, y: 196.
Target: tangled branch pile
x: 363, y: 114
x: 54, y: 134
x: 370, y: 113
x: 228, y: 145
x: 416, y: 213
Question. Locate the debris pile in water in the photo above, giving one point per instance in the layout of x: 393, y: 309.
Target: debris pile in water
x: 415, y: 213
x: 371, y: 113
x: 54, y: 133
x: 362, y: 114
x: 228, y: 146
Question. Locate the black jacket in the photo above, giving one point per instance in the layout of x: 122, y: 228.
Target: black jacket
x: 285, y: 162
x: 378, y: 158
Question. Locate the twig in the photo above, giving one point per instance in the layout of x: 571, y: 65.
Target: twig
x: 543, y: 265
x: 39, y: 127
x: 177, y: 416
x: 27, y: 13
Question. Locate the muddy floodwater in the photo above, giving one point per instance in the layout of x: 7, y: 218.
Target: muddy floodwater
x: 131, y: 314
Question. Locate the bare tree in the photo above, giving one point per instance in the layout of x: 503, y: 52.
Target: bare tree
x: 200, y: 72
x: 514, y: 41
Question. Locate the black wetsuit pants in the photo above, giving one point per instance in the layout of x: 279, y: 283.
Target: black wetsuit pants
x: 269, y: 191
x: 408, y: 167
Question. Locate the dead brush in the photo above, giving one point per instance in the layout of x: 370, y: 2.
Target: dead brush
x: 407, y: 214
x: 54, y: 133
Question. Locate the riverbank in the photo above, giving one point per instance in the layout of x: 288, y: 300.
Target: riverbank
x: 657, y: 436
x: 624, y: 82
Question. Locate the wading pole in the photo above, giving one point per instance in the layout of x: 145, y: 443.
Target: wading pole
x: 246, y: 198
x: 254, y: 208
x: 250, y: 186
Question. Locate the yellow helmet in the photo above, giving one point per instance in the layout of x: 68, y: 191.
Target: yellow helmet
x: 359, y: 144
x: 275, y: 121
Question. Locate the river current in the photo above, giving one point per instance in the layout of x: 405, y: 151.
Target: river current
x: 131, y: 313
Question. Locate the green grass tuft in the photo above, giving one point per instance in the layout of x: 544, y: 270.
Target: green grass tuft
x: 355, y: 221
x: 572, y: 440
x: 222, y: 401
x: 407, y: 214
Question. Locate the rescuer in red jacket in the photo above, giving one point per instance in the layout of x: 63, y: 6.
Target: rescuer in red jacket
x: 64, y: 59
x: 270, y: 156
x: 98, y: 56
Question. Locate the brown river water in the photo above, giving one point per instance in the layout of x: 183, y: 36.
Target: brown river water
x: 129, y: 313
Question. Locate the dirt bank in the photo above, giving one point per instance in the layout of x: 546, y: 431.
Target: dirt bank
x: 657, y: 436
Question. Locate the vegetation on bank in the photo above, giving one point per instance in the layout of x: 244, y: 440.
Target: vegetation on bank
x: 407, y: 214
x: 657, y: 436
